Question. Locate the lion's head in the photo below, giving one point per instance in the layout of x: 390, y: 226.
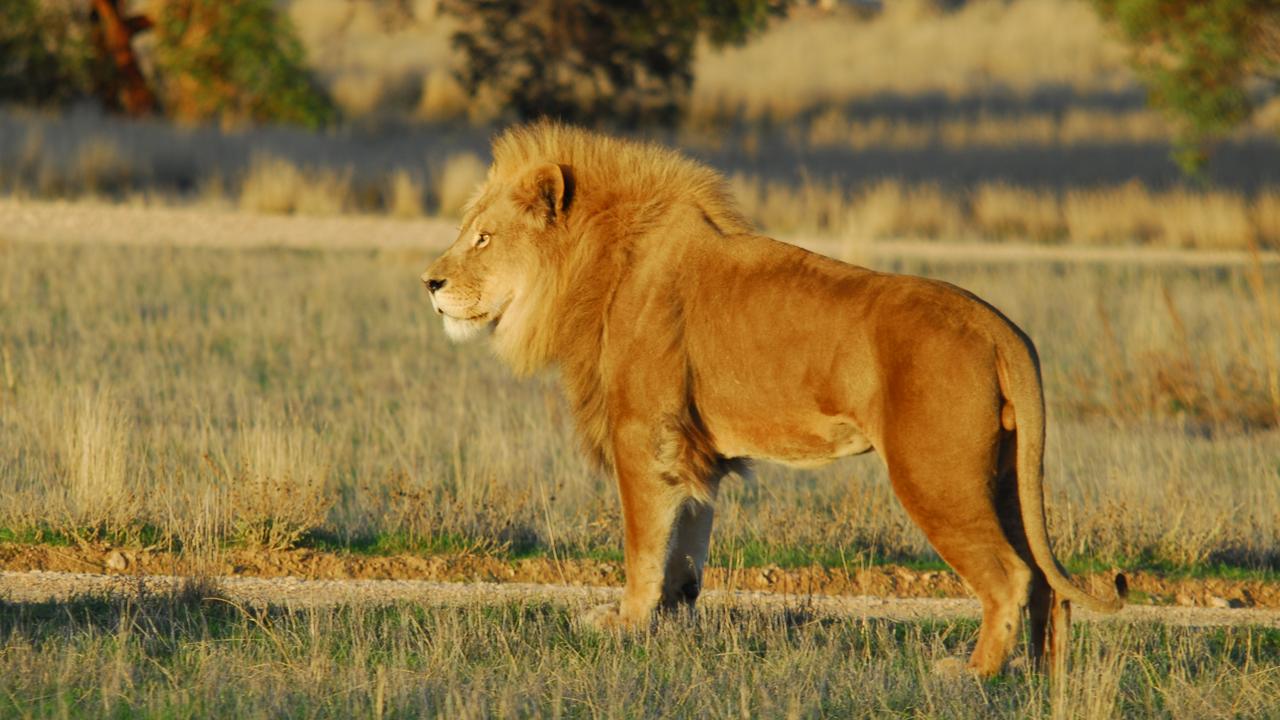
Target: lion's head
x: 489, y: 277
x: 549, y: 234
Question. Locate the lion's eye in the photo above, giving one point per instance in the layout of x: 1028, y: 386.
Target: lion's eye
x: 481, y: 240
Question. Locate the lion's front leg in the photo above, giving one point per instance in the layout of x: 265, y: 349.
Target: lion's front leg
x: 657, y: 519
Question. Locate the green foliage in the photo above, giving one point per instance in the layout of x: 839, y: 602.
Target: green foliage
x: 628, y: 63
x: 1197, y: 57
x: 237, y: 61
x: 42, y: 59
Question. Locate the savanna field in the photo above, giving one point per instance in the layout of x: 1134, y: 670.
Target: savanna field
x: 282, y: 396
x: 217, y: 359
x: 204, y: 400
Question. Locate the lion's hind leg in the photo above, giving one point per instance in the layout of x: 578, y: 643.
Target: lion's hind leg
x: 1040, y: 621
x: 959, y: 518
x: 944, y: 464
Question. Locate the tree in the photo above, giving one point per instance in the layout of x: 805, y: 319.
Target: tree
x: 597, y: 60
x: 235, y: 60
x: 232, y: 60
x: 119, y: 79
x: 43, y: 59
x: 1197, y: 58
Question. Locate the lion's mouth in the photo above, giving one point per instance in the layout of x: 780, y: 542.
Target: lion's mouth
x: 462, y: 318
x: 488, y: 319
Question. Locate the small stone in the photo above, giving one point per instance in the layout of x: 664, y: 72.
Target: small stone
x: 117, y: 561
x: 1215, y: 601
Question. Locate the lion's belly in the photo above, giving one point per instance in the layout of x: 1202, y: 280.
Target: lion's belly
x: 796, y: 441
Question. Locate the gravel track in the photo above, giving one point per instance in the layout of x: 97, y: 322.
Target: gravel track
x: 43, y: 586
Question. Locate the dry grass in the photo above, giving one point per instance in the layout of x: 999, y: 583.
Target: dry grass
x: 809, y: 208
x: 1265, y: 215
x: 381, y: 59
x: 1128, y: 214
x: 457, y: 181
x: 1124, y: 214
x: 98, y: 167
x: 275, y: 185
x: 1004, y: 211
x: 358, y: 93
x: 910, y: 49
x: 194, y: 655
x: 809, y: 60
x: 102, y: 168
x: 1205, y: 220
x: 99, y: 488
x: 404, y: 196
x: 442, y: 98
x: 249, y: 385
x: 833, y: 128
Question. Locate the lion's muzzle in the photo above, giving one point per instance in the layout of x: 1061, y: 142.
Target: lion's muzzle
x: 433, y: 285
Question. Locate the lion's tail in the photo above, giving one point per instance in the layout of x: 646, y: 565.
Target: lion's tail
x: 1019, y: 372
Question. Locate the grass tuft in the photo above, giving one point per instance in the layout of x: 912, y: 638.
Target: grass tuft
x: 276, y: 186
x: 458, y: 180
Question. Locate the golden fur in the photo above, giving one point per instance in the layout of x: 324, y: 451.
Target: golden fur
x: 688, y: 344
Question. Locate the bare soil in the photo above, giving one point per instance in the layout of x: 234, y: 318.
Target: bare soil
x: 888, y: 581
x: 296, y: 593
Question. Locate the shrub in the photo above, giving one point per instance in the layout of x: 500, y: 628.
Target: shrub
x: 236, y: 61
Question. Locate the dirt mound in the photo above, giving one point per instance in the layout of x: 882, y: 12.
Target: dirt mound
x: 881, y: 580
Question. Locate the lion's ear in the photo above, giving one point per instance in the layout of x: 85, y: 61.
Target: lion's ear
x: 546, y: 191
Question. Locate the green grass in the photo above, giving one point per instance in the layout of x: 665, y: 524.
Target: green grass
x: 180, y: 656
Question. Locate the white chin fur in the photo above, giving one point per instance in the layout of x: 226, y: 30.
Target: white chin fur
x: 463, y: 330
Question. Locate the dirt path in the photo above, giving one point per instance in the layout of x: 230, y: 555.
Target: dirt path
x: 292, y: 574
x: 24, y: 220
x: 874, y: 580
x: 43, y: 586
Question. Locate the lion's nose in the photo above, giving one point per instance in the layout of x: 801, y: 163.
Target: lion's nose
x: 434, y: 284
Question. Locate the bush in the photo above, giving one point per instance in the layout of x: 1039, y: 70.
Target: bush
x: 237, y: 61
x: 1197, y: 58
x: 628, y: 63
x: 43, y: 57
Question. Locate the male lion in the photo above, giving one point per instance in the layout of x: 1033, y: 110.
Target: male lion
x: 688, y: 344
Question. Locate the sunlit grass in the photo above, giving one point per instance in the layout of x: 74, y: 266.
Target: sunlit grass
x: 193, y: 653
x: 279, y: 397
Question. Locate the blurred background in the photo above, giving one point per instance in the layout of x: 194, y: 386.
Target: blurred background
x: 1054, y: 121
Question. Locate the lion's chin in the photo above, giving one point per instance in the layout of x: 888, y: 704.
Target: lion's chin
x: 464, y: 330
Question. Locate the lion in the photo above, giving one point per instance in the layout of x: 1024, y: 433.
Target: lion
x: 689, y: 344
